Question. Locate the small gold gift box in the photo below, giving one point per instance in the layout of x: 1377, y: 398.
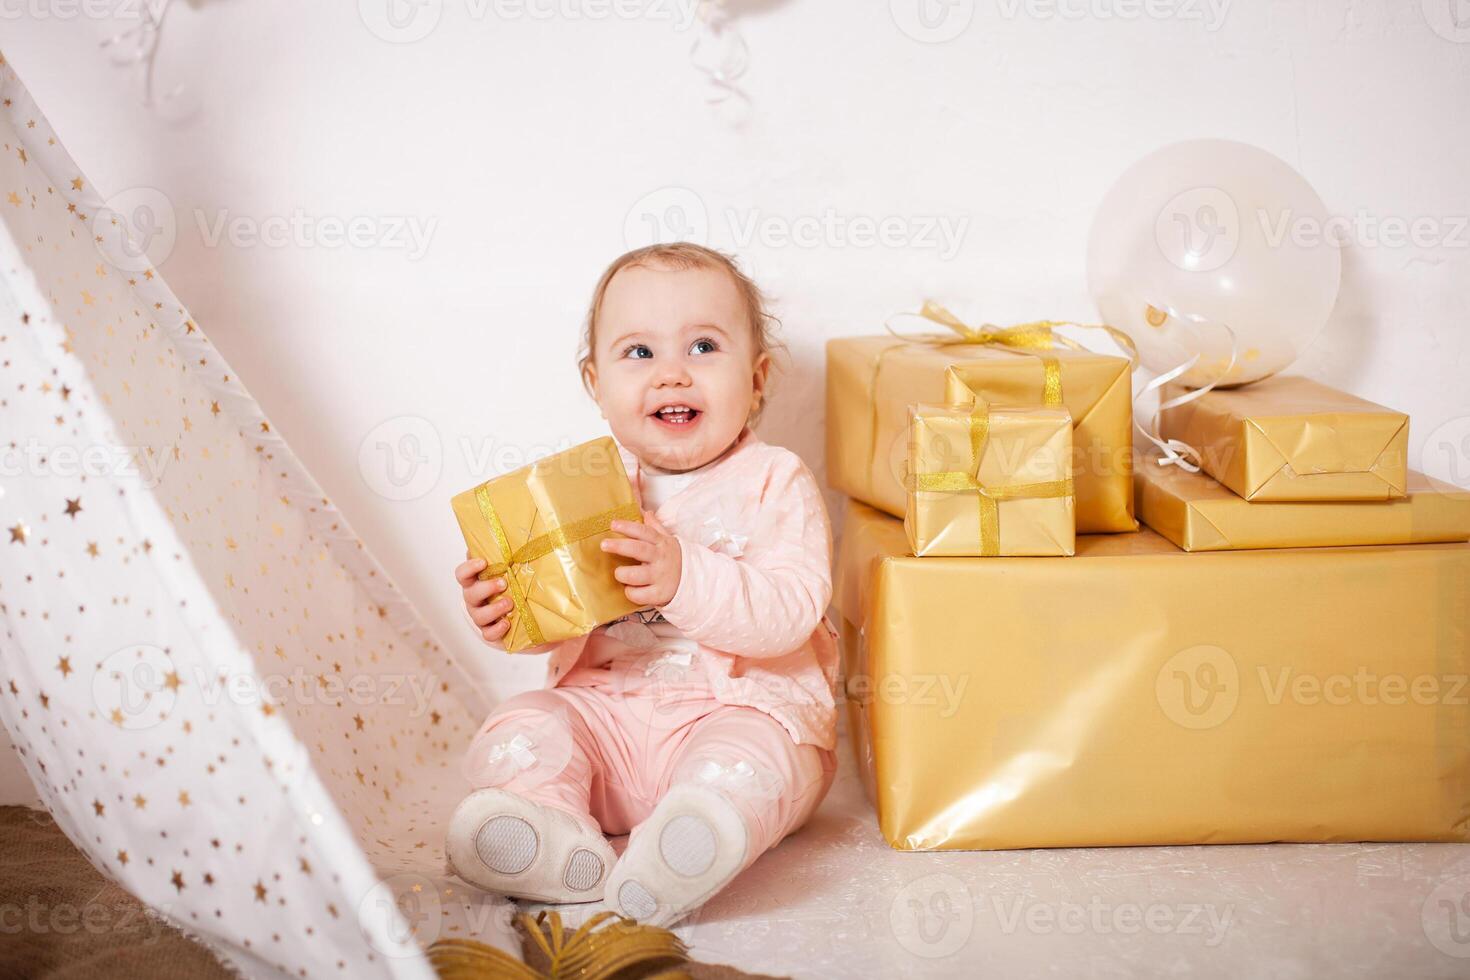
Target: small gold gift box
x: 990, y: 481
x: 541, y: 527
x: 1291, y: 438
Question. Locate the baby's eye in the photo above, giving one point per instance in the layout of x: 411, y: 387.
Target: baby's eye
x: 703, y: 346
x: 637, y: 351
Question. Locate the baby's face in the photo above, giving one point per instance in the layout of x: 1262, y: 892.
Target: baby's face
x: 674, y: 365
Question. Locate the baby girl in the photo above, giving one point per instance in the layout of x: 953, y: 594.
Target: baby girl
x: 703, y: 725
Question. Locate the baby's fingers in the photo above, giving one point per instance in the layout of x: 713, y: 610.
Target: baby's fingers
x: 630, y: 548
x: 466, y: 571
x: 633, y: 574
x: 480, y: 593
x: 496, y: 631
x: 488, y: 615
x: 634, y: 529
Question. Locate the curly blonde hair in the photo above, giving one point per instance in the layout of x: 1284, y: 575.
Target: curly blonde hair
x: 684, y: 255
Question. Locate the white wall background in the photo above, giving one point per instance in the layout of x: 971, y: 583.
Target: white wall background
x: 530, y: 145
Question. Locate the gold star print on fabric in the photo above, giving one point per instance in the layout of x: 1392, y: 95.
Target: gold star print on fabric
x: 246, y: 566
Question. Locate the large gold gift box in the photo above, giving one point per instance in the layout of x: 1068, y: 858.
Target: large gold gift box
x: 1291, y: 438
x: 872, y: 381
x: 990, y: 481
x: 1139, y: 694
x: 541, y: 527
x: 1198, y: 514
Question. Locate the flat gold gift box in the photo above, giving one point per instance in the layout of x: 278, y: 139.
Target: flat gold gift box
x: 1291, y: 438
x: 1016, y: 499
x: 871, y: 382
x: 1138, y: 694
x: 541, y: 527
x: 1199, y: 514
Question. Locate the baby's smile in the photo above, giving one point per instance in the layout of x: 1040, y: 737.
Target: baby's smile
x: 676, y: 416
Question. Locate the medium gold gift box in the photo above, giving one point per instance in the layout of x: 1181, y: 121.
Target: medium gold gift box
x: 1199, y: 514
x: 1291, y: 438
x: 990, y: 481
x: 541, y: 527
x: 871, y: 382
x: 1139, y: 694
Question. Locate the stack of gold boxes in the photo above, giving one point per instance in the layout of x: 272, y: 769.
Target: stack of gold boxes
x: 1282, y: 653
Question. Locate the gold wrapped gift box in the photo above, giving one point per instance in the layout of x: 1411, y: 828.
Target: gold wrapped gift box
x: 872, y: 381
x: 541, y: 527
x: 1198, y: 514
x: 1291, y: 438
x: 990, y: 481
x: 1138, y: 694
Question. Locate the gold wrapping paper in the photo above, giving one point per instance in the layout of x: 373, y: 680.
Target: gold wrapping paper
x: 1016, y: 498
x: 1199, y: 514
x: 541, y: 526
x: 1291, y: 438
x: 871, y: 382
x: 1138, y: 694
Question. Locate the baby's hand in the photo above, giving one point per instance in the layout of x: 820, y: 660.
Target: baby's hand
x: 655, y: 579
x: 489, y: 616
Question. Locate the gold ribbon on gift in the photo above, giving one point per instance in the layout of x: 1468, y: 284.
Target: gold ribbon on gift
x: 1021, y: 338
x: 1027, y: 338
x: 540, y: 546
x: 988, y: 498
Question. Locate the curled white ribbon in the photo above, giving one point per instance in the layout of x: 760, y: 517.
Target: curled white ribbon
x: 716, y: 25
x: 1177, y: 452
x: 144, y: 39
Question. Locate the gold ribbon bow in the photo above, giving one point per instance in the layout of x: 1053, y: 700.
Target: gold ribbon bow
x: 988, y: 498
x: 1027, y: 338
x: 540, y: 546
x: 1033, y: 335
x: 1024, y: 338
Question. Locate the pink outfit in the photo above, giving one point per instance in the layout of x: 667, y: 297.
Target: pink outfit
x: 731, y: 686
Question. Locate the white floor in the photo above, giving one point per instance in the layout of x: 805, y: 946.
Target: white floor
x: 834, y: 901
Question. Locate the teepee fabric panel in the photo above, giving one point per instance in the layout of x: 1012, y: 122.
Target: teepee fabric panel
x: 217, y: 691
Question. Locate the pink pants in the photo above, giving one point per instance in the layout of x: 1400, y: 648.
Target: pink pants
x: 609, y: 742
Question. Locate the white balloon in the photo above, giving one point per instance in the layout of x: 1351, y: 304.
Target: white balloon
x: 1206, y: 235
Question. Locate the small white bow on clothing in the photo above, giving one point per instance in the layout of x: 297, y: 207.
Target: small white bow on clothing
x: 722, y: 533
x: 518, y: 750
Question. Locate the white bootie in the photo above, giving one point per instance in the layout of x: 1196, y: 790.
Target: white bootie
x: 508, y: 845
x: 691, y: 846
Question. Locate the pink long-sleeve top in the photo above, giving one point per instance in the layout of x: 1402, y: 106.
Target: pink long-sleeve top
x: 756, y: 545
